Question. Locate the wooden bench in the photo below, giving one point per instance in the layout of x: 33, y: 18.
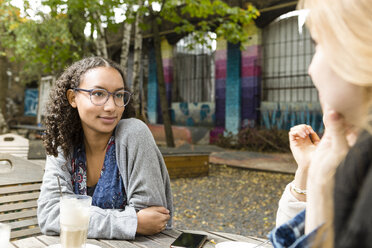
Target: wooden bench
x: 187, y: 165
x: 29, y: 128
x: 20, y: 182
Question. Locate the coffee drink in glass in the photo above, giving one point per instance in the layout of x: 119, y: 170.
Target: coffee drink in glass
x: 74, y: 220
x: 4, y: 235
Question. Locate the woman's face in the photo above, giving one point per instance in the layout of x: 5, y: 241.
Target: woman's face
x: 339, y: 95
x: 98, y: 119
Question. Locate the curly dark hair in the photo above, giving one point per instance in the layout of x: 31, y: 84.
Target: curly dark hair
x: 62, y: 122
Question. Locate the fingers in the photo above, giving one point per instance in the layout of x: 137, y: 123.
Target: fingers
x: 314, y: 138
x: 161, y: 209
x: 302, y: 132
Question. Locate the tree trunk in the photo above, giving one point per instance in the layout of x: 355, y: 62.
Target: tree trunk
x: 145, y: 80
x: 101, y: 39
x: 137, y: 62
x: 125, y: 44
x: 161, y: 86
x: 3, y: 92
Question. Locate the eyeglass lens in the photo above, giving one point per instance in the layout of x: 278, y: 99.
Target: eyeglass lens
x: 100, y: 97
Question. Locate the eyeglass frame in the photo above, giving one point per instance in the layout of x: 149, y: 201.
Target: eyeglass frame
x: 108, y: 96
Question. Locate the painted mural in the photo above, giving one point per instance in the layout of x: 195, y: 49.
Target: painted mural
x: 286, y: 115
x: 220, y: 83
x: 31, y: 102
x: 251, y: 77
x: 193, y: 114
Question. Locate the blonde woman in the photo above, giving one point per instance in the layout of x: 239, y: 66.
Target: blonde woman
x: 339, y: 180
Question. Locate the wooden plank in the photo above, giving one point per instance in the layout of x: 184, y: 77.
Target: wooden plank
x: 189, y: 158
x: 119, y: 243
x: 19, y: 197
x: 20, y: 188
x: 98, y: 243
x: 29, y: 243
x: 22, y: 171
x: 162, y: 239
x: 236, y: 237
x: 23, y: 223
x: 10, y: 245
x: 49, y: 240
x: 18, y: 215
x: 248, y: 239
x: 25, y: 232
x: 184, y: 173
x: 17, y: 206
x: 174, y: 233
x: 144, y: 241
x: 187, y: 165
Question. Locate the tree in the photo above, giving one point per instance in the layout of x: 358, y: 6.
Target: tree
x: 137, y: 61
x: 199, y: 17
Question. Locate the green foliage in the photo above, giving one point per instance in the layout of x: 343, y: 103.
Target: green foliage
x: 48, y: 44
x: 40, y: 46
x: 54, y: 40
x: 207, y: 16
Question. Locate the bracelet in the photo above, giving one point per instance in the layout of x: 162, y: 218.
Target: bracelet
x: 298, y: 190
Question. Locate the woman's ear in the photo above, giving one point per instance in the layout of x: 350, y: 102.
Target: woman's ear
x: 71, y: 98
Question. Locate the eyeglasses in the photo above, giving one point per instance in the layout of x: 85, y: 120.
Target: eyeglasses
x: 100, y: 96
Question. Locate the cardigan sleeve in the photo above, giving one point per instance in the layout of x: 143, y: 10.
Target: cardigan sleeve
x: 289, y: 207
x: 104, y: 223
x: 146, y: 175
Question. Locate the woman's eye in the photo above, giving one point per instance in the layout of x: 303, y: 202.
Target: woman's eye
x: 119, y: 95
x: 98, y: 93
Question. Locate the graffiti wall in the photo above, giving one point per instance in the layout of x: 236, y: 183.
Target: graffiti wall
x: 286, y: 115
x: 31, y: 102
x: 191, y: 114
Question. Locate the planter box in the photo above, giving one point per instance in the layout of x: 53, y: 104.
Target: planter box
x: 187, y: 165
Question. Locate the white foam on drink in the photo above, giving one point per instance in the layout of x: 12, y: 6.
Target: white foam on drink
x: 73, y: 213
x: 4, y: 237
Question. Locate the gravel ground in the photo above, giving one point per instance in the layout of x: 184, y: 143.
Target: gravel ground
x: 230, y: 199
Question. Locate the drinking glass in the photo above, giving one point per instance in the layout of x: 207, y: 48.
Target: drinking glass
x: 74, y: 220
x: 4, y: 235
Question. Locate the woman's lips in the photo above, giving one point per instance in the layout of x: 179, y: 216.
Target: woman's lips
x: 108, y: 120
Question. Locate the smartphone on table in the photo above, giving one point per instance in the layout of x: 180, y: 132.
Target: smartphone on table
x: 189, y: 240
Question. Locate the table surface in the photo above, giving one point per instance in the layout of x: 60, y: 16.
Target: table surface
x: 161, y: 240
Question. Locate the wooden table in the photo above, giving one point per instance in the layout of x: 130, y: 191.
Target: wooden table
x: 161, y: 240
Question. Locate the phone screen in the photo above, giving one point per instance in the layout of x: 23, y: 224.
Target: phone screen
x: 189, y: 240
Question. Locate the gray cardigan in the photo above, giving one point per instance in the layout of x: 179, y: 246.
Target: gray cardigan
x: 145, y: 177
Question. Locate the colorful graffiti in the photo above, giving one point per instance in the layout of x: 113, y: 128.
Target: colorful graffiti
x: 31, y: 102
x: 191, y: 114
x: 220, y: 86
x: 251, y: 76
x: 286, y: 115
x: 233, y: 89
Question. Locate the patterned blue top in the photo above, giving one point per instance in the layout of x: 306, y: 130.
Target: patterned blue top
x: 109, y: 192
x: 292, y: 234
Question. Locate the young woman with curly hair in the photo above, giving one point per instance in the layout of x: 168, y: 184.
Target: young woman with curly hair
x: 96, y: 149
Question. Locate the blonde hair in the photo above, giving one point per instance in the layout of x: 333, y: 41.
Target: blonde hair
x: 344, y: 28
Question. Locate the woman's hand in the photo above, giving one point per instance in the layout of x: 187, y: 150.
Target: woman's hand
x: 329, y: 153
x: 303, y: 141
x: 331, y: 150
x: 152, y: 220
